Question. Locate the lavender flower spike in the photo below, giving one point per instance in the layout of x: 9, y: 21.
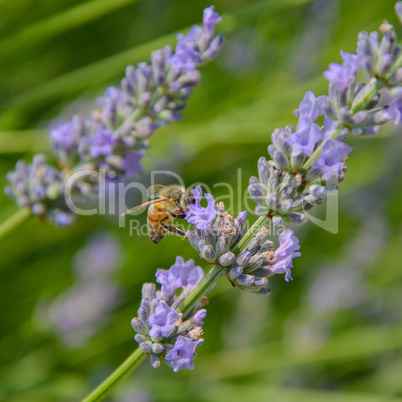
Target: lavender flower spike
x: 159, y: 324
x: 182, y: 354
x: 113, y: 136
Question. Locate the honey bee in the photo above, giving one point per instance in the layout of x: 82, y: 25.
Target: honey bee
x: 168, y: 202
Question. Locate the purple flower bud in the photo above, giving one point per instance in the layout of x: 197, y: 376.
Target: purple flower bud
x: 157, y: 348
x: 145, y: 127
x: 185, y: 58
x: 140, y: 338
x: 235, y: 272
x: 285, y: 206
x: 398, y: 10
x: 148, y: 291
x: 277, y: 220
x: 271, y: 201
x: 207, y: 253
x: 199, y: 316
x: 110, y: 102
x: 155, y: 361
x: 245, y: 280
x: 227, y: 259
x: 210, y: 18
x: 297, y: 218
x: 139, y: 326
x: 213, y: 48
x: 242, y: 217
x: 396, y: 109
x: 101, y: 143
x: 146, y: 347
x: 131, y: 163
x: 384, y: 64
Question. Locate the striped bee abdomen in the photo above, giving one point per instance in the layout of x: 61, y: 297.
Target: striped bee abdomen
x: 156, y: 216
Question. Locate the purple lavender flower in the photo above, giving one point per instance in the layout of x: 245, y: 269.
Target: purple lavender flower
x: 341, y: 76
x: 110, y: 102
x: 101, y: 143
x: 329, y: 127
x: 65, y: 138
x: 306, y: 137
x: 241, y: 217
x: 198, y: 45
x: 181, y: 356
x: 332, y: 156
x: 185, y: 57
x: 283, y: 261
x: 307, y: 134
x: 311, y: 106
x: 210, y: 18
x: 395, y: 110
x: 131, y: 163
x: 199, y: 216
x: 180, y: 274
x: 162, y: 320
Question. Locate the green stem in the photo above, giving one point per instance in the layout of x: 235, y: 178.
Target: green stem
x: 111, y: 382
x: 201, y: 289
x: 14, y: 221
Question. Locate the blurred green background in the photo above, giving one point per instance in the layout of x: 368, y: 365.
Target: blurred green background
x: 335, y: 332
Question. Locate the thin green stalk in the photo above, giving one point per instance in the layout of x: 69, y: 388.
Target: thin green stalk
x: 108, y: 385
x: 14, y: 221
x: 134, y: 360
x: 201, y: 289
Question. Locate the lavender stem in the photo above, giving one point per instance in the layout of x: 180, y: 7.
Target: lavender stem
x: 14, y: 221
x: 114, y: 379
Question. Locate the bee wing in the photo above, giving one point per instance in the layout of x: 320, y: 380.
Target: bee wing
x: 154, y: 191
x: 138, y: 207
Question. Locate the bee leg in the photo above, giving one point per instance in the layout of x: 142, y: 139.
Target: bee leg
x: 180, y: 215
x: 173, y: 229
